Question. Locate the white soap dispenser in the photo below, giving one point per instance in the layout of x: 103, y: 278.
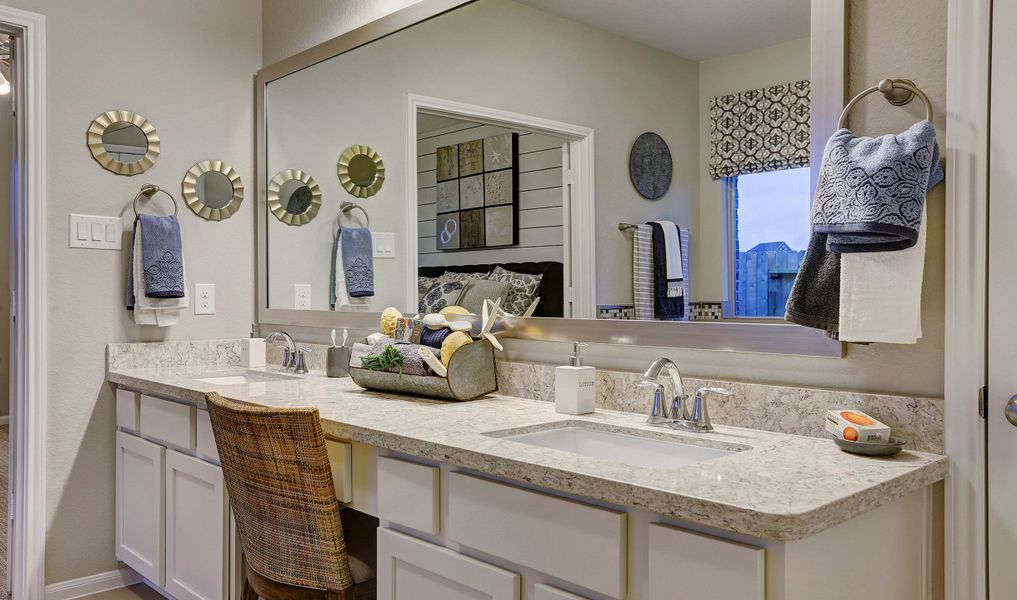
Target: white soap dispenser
x: 575, y: 391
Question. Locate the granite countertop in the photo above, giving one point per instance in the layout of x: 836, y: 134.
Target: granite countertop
x: 779, y: 486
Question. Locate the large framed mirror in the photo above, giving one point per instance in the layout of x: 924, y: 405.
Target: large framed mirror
x: 493, y: 172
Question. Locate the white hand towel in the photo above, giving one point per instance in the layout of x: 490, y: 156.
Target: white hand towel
x: 162, y: 312
x: 642, y: 272
x: 673, y: 249
x: 881, y: 294
x: 342, y: 295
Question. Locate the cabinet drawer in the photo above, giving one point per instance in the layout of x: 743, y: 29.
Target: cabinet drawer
x: 169, y: 422
x: 579, y: 543
x: 204, y: 438
x: 408, y: 494
x: 723, y: 569
x: 411, y: 569
x: 128, y: 409
x: 543, y: 591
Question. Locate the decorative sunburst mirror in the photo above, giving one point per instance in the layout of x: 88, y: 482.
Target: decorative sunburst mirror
x: 361, y: 171
x: 294, y: 197
x: 213, y: 190
x: 123, y: 142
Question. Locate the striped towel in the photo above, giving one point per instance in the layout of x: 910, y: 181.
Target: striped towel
x: 642, y: 272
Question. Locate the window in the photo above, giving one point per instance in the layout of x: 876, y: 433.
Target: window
x: 769, y: 231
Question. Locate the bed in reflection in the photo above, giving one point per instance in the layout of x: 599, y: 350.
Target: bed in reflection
x: 517, y: 284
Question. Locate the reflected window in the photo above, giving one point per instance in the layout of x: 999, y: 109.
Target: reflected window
x: 769, y: 232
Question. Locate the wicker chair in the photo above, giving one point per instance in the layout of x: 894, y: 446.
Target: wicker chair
x: 276, y: 469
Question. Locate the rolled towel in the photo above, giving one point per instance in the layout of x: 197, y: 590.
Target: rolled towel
x: 434, y: 337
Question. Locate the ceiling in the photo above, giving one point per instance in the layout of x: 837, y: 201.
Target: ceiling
x: 693, y: 29
x: 427, y: 123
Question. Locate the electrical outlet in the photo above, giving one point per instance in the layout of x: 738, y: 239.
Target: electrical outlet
x: 302, y: 296
x: 204, y: 298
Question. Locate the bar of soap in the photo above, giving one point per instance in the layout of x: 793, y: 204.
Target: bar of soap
x: 453, y: 342
x: 856, y: 426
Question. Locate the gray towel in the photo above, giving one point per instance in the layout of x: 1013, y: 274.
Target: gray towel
x: 162, y: 256
x: 871, y: 191
x: 642, y: 272
x: 358, y: 260
x: 815, y: 297
x: 331, y: 279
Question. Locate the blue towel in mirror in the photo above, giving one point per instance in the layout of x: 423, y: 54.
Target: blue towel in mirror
x: 162, y: 256
x: 358, y: 260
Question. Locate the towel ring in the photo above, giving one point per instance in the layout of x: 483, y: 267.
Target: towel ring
x: 897, y: 92
x: 347, y: 207
x: 148, y: 191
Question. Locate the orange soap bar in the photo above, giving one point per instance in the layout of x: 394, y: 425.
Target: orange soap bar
x: 856, y: 426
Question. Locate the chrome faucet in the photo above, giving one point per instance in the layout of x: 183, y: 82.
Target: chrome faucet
x: 677, y: 415
x: 289, y: 350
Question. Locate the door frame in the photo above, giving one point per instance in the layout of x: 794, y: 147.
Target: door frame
x: 27, y: 572
x: 969, y: 27
x: 577, y: 185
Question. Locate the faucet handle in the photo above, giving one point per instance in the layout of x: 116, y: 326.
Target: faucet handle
x: 300, y: 364
x: 658, y: 411
x: 700, y: 413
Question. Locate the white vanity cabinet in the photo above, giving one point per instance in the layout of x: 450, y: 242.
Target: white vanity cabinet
x: 172, y: 513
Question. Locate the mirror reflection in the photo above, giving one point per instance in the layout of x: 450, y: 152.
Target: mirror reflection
x: 214, y: 189
x: 125, y: 142
x: 699, y: 183
x: 295, y: 196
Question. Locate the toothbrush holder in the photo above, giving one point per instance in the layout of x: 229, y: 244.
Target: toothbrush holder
x: 337, y: 363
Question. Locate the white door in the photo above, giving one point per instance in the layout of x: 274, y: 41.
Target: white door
x: 139, y: 505
x: 197, y: 538
x: 411, y: 569
x: 1002, y: 331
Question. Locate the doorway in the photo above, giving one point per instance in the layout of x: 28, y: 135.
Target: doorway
x: 6, y: 145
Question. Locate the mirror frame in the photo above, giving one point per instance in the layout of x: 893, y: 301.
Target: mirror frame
x: 343, y: 171
x: 101, y: 123
x: 275, y: 203
x: 763, y: 336
x: 189, y: 190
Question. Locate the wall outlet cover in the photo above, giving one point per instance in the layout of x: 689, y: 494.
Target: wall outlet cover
x: 384, y: 244
x: 302, y: 296
x: 204, y: 298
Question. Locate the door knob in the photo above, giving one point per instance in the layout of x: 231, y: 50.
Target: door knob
x: 1011, y: 411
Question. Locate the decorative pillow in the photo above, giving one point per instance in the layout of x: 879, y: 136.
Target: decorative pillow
x: 524, y: 288
x: 424, y: 284
x: 477, y: 291
x: 441, y: 295
x: 452, y: 276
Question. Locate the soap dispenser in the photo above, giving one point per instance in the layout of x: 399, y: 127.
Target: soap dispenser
x: 575, y: 390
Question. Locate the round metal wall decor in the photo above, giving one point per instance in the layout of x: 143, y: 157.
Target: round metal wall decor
x: 213, y: 190
x: 294, y: 197
x: 361, y: 171
x: 124, y: 142
x: 650, y: 166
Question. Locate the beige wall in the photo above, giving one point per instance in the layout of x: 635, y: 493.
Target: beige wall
x: 188, y: 66
x: 886, y: 38
x: 6, y: 120
x: 782, y: 63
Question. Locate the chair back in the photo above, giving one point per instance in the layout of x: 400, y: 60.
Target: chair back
x: 276, y: 469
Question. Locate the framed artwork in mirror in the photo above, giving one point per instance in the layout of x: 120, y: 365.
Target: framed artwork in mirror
x: 294, y: 197
x: 477, y: 193
x: 124, y: 142
x: 213, y: 190
x: 361, y: 171
x: 650, y: 166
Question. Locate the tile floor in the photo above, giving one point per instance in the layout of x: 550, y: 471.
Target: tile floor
x: 135, y: 592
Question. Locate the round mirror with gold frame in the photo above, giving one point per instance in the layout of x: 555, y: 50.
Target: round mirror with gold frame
x: 213, y: 190
x: 294, y: 197
x: 361, y: 171
x: 123, y: 142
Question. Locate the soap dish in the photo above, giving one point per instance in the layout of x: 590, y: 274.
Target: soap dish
x: 889, y: 448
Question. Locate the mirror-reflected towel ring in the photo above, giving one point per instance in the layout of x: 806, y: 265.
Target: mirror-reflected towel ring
x: 347, y: 207
x: 148, y: 191
x: 104, y: 152
x: 287, y: 211
x: 896, y: 91
x: 361, y: 171
x: 225, y: 202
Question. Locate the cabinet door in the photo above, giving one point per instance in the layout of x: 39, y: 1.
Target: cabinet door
x: 411, y: 569
x: 139, y: 505
x: 694, y: 566
x: 196, y: 529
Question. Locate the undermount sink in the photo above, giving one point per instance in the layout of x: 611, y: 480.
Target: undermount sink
x: 635, y: 450
x: 242, y: 378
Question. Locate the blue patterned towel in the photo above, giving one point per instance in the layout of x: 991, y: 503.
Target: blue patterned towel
x: 358, y: 260
x: 871, y: 190
x: 162, y: 256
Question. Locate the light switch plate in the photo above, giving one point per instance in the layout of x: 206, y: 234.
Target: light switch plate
x: 302, y: 296
x: 384, y: 244
x: 204, y: 298
x: 91, y: 231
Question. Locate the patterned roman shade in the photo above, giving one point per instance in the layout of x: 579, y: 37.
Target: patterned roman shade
x: 760, y: 130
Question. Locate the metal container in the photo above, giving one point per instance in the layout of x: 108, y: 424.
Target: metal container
x: 471, y: 374
x: 337, y: 363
